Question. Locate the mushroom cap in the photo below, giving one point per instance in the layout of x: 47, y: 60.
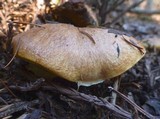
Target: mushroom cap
x: 84, y: 55
x: 152, y: 42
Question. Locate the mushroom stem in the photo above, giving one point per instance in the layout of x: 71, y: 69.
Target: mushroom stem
x: 115, y: 86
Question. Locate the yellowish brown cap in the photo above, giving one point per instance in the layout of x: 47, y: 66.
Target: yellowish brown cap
x: 84, y: 55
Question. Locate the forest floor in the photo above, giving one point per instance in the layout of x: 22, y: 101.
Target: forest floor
x: 24, y: 95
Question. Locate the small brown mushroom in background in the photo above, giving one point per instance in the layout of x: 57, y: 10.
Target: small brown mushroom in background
x: 83, y: 55
x: 152, y: 42
x: 77, y: 13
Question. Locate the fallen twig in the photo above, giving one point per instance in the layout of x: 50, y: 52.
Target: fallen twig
x: 134, y: 104
x: 4, y: 101
x: 148, y: 12
x: 126, y: 10
x: 36, y: 85
x: 105, y: 9
x: 6, y: 87
x: 71, y: 93
x: 88, y: 35
x: 18, y: 106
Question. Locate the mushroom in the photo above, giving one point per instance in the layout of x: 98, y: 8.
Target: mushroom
x: 77, y: 13
x: 86, y: 56
x: 152, y: 42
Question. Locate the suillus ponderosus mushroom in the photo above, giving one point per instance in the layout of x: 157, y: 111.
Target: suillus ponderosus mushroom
x: 86, y: 56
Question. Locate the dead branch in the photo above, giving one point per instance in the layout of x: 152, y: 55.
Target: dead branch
x: 134, y: 104
x: 123, y: 12
x: 35, y: 86
x: 7, y: 88
x: 71, y: 93
x: 15, y: 107
x: 148, y: 12
x: 104, y: 10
